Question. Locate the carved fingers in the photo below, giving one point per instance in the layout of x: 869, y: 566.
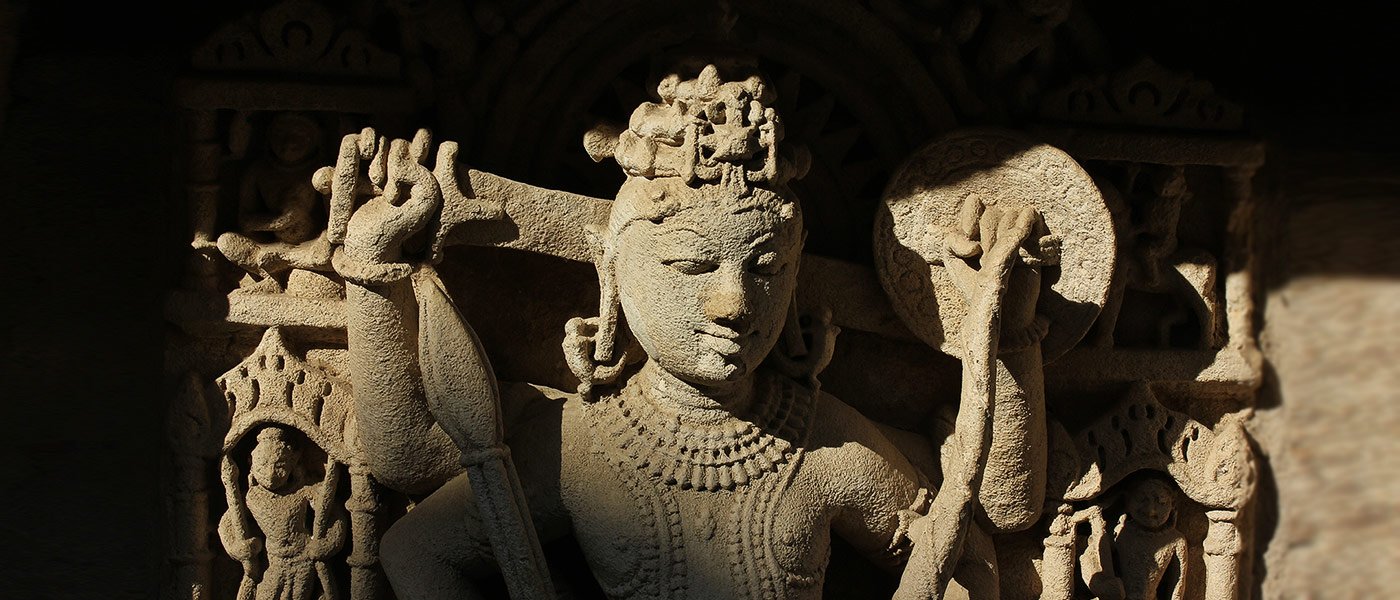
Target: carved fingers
x: 579, y: 334
x: 404, y: 199
x: 993, y: 235
x: 1004, y: 230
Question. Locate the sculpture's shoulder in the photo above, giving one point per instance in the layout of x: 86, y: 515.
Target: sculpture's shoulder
x: 539, y: 417
x: 854, y: 451
x: 835, y: 424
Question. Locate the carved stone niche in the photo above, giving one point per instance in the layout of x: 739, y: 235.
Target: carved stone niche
x: 795, y: 330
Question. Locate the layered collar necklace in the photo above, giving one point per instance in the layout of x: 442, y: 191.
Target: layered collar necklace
x: 652, y: 435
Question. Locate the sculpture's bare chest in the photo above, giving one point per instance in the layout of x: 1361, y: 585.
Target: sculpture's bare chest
x: 734, y: 525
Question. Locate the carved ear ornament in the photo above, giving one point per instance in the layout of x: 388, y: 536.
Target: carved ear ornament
x: 582, y: 337
x: 807, y: 346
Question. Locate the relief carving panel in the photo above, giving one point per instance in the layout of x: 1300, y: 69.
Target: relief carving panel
x: 1020, y: 371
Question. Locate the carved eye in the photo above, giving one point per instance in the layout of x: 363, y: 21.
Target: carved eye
x: 767, y: 265
x: 690, y: 266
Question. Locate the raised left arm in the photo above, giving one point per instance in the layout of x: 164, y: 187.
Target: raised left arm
x: 1001, y: 418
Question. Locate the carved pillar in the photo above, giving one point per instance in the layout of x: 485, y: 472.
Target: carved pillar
x: 187, y: 430
x: 1057, y: 566
x: 365, y: 579
x: 1223, y: 551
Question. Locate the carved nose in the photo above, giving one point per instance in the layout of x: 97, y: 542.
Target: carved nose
x: 725, y: 307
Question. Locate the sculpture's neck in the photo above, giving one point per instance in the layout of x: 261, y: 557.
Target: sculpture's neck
x: 703, y: 404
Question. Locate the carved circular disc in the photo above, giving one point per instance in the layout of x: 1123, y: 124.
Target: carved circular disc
x: 1005, y: 169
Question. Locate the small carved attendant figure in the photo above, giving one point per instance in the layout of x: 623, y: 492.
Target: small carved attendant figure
x: 1147, y: 542
x: 293, y: 516
x: 699, y: 457
x: 277, y: 204
x: 275, y: 197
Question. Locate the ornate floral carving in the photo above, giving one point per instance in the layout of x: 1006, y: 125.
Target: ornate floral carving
x: 1214, y: 467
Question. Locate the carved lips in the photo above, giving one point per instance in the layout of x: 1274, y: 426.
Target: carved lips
x: 721, y: 339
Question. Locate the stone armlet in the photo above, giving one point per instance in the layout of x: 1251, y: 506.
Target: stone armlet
x: 369, y: 274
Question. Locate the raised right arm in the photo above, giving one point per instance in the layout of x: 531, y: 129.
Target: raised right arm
x: 404, y: 446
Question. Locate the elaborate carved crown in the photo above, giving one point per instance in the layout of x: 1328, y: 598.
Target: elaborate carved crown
x: 704, y: 129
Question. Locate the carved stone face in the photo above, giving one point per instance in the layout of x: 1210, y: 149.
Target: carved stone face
x: 293, y: 138
x: 273, y: 460
x: 1151, y: 504
x: 706, y: 291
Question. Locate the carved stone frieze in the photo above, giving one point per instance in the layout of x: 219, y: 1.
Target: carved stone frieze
x: 289, y: 446
x: 1145, y: 94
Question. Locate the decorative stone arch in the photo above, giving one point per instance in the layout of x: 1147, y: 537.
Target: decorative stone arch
x: 1214, y: 467
x: 275, y: 387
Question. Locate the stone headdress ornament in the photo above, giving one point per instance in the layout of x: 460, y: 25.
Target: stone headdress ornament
x: 704, y: 131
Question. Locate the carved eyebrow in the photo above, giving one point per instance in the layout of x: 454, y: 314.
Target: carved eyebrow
x: 760, y: 238
x: 679, y: 228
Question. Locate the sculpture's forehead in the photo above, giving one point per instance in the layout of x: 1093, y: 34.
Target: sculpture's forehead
x: 723, y: 226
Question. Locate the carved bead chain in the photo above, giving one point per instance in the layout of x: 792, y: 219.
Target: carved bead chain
x: 658, y: 441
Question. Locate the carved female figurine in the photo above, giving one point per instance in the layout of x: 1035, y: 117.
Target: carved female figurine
x: 699, y: 458
x: 293, y: 517
x: 1147, y: 542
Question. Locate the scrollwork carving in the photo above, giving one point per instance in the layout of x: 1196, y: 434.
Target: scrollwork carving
x: 295, y: 36
x: 1144, y: 94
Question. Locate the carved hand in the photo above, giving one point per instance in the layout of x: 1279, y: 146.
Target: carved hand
x: 998, y: 238
x: 410, y: 199
x: 322, y: 548
x: 245, y: 550
x: 405, y: 198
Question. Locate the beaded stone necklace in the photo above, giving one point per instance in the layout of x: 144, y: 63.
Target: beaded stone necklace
x: 658, y: 440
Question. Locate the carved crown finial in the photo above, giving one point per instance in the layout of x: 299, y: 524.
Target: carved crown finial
x: 704, y: 129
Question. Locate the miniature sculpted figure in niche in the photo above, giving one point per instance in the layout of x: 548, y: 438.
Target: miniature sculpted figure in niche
x: 699, y: 457
x: 276, y: 209
x: 300, y: 525
x: 1148, y: 543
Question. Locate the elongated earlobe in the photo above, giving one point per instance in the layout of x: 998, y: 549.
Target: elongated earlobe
x: 605, y: 341
x: 608, y: 310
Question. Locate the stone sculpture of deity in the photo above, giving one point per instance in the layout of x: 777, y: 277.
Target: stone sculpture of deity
x: 699, y: 457
x: 300, y: 527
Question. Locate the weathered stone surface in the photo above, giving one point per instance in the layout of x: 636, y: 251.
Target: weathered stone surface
x: 697, y: 455
x: 1328, y: 420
